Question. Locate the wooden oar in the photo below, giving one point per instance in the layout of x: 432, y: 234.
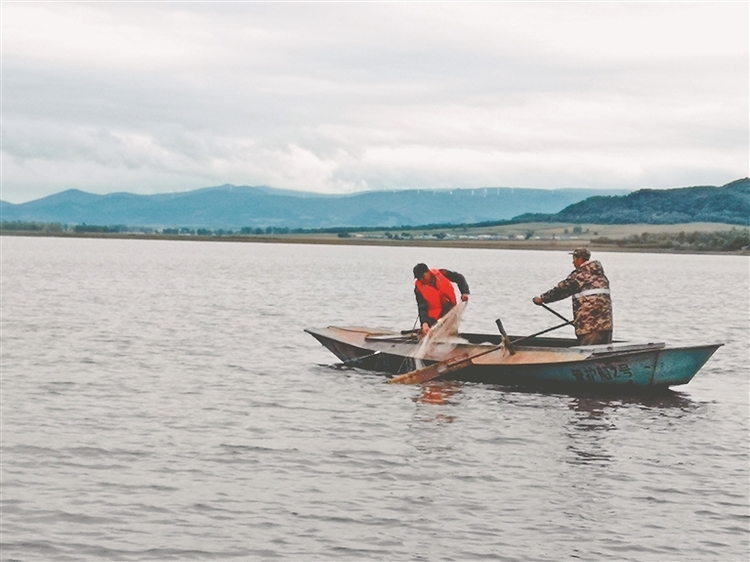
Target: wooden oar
x: 462, y: 361
x: 543, y: 332
x: 440, y: 368
x: 560, y: 316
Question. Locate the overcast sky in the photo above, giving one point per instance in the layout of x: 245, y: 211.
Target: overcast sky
x: 343, y: 97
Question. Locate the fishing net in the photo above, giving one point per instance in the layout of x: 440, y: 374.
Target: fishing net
x: 442, y: 337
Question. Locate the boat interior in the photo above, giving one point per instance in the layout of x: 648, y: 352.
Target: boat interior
x: 531, y: 342
x: 492, y: 339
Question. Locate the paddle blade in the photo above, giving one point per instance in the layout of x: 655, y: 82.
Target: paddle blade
x: 420, y: 375
x: 431, y: 371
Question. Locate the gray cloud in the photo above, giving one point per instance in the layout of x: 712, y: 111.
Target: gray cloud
x: 344, y: 97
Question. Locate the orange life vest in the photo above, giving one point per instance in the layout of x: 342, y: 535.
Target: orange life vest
x: 440, y: 298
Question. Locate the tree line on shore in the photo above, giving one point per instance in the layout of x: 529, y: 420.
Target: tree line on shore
x: 56, y: 227
x: 734, y: 240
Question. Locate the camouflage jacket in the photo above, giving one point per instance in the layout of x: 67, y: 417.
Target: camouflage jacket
x: 593, y: 312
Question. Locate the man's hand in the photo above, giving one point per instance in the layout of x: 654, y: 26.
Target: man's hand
x: 538, y: 301
x: 465, y: 297
x: 425, y: 328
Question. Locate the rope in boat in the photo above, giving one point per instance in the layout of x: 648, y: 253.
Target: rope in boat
x: 414, y: 327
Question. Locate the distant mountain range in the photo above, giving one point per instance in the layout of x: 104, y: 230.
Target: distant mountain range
x: 728, y: 204
x: 232, y: 207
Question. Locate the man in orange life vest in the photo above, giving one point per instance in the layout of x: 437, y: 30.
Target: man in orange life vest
x: 435, y: 294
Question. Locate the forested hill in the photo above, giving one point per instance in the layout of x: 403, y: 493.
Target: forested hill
x: 728, y: 204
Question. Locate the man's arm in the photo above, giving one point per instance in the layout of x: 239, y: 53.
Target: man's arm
x: 458, y: 279
x: 565, y: 288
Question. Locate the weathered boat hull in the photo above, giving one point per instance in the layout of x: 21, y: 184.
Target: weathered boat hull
x: 539, y: 362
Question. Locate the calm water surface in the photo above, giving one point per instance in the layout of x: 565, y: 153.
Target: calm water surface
x: 160, y: 401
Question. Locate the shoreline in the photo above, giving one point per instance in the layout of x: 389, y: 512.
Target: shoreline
x: 333, y: 240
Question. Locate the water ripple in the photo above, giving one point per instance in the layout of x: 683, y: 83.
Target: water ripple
x: 154, y: 409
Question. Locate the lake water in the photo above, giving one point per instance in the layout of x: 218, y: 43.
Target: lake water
x: 160, y: 401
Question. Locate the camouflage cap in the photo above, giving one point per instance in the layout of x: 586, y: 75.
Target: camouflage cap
x: 582, y: 253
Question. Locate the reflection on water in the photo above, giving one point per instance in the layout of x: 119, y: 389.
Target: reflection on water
x: 435, y: 392
x: 664, y: 399
x: 586, y: 428
x: 590, y: 420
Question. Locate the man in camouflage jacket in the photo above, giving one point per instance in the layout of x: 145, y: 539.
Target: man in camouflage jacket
x: 592, y: 304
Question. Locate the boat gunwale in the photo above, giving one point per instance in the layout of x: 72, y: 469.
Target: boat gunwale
x: 615, y: 348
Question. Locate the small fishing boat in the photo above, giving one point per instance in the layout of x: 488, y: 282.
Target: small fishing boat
x: 532, y: 362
